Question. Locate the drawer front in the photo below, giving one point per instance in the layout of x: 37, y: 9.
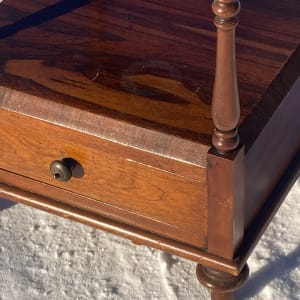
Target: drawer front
x: 28, y: 146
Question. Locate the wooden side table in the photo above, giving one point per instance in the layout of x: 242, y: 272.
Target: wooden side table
x: 113, y: 114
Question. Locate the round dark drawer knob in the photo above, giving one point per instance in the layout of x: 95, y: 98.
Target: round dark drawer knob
x: 60, y: 170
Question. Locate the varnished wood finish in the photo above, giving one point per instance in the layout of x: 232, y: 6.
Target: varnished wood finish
x: 101, y: 208
x: 125, y: 88
x: 202, y: 257
x: 222, y: 285
x: 267, y: 211
x: 225, y: 100
x: 225, y: 176
x: 160, y: 150
x: 135, y: 234
x: 271, y: 153
x: 111, y: 175
x: 165, y: 82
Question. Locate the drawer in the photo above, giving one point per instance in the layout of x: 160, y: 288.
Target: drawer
x: 113, y: 174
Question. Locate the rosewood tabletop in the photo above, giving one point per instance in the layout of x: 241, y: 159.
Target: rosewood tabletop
x: 152, y: 121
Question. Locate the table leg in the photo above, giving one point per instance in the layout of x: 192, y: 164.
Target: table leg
x: 222, y: 296
x: 222, y: 285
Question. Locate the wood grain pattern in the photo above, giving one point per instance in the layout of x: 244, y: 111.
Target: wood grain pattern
x: 20, y: 194
x: 135, y: 234
x: 110, y: 173
x: 103, y: 209
x: 226, y: 202
x: 150, y: 63
x: 124, y: 87
x: 160, y: 149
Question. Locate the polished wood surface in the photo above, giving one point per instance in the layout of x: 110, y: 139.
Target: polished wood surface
x: 109, y: 174
x: 124, y: 88
x: 100, y: 208
x: 275, y: 148
x: 226, y: 201
x: 160, y: 149
x: 268, y: 210
x: 85, y: 215
x: 222, y: 285
x: 135, y: 234
x: 225, y: 98
x: 162, y: 82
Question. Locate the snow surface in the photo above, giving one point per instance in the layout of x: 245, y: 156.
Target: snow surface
x: 47, y: 257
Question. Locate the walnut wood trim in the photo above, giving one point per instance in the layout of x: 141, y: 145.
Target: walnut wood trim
x: 225, y: 100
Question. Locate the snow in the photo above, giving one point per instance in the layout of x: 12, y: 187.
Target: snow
x: 47, y: 257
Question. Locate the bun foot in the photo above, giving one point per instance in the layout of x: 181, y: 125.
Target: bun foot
x: 222, y: 285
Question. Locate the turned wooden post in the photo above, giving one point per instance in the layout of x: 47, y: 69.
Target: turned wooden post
x: 225, y: 101
x: 225, y: 161
x: 222, y: 285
